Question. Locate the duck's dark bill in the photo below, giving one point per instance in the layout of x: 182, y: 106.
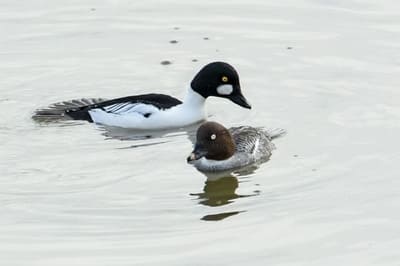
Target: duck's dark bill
x: 195, y: 155
x: 240, y: 100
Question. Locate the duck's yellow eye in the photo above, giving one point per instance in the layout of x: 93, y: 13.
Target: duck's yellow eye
x: 224, y: 79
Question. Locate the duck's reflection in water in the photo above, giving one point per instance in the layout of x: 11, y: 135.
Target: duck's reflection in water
x: 139, y: 134
x: 144, y: 138
x: 219, y: 216
x: 219, y: 191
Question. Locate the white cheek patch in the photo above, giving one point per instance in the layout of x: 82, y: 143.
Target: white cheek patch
x: 225, y: 89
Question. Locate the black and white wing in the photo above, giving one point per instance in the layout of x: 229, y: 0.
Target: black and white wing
x: 145, y: 105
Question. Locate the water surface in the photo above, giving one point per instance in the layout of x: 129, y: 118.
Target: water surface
x: 327, y: 71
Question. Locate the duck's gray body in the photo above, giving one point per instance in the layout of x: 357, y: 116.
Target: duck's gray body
x: 252, y: 145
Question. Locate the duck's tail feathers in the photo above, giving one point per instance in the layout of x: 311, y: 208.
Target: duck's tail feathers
x: 73, y: 109
x: 275, y: 133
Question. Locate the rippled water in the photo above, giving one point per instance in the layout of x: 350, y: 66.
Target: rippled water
x: 77, y: 194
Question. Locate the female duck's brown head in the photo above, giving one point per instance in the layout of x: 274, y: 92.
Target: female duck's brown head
x: 214, y: 142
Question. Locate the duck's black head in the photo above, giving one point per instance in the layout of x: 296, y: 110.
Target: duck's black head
x: 221, y: 80
x: 214, y: 142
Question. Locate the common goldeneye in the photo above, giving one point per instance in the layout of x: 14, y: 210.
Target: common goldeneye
x: 155, y: 111
x: 221, y: 149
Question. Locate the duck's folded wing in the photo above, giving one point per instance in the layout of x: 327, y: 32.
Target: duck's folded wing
x: 246, y: 138
x: 127, y: 108
x: 159, y: 101
x: 142, y: 104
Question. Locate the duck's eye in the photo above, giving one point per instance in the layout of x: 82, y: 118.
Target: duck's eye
x: 213, y: 137
x: 224, y: 79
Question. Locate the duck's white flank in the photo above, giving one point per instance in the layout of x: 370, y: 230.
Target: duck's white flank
x: 238, y: 160
x: 132, y: 115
